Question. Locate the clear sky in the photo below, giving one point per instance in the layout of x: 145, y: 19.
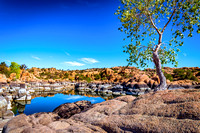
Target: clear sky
x: 69, y: 34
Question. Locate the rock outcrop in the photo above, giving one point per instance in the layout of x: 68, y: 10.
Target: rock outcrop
x: 164, y: 111
x: 5, y: 114
x: 68, y: 109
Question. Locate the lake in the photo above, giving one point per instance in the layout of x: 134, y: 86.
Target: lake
x: 49, y: 103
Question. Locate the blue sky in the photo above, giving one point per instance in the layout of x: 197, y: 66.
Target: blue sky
x: 69, y: 34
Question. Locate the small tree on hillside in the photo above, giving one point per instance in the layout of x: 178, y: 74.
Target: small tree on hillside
x: 4, y: 69
x: 15, y: 68
x: 23, y: 67
x: 141, y: 20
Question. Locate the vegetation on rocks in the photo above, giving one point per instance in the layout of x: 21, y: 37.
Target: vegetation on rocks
x: 112, y: 75
x: 4, y: 69
x: 184, y: 74
x: 15, y: 68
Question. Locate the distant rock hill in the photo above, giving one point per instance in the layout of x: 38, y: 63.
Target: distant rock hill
x: 187, y: 75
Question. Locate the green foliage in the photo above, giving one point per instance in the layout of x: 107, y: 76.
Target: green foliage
x: 179, y: 73
x: 141, y: 21
x: 82, y: 77
x: 31, y: 70
x: 23, y: 66
x: 97, y: 77
x: 15, y: 68
x: 182, y: 74
x: 103, y: 78
x: 66, y: 75
x: 128, y: 75
x: 115, y: 71
x: 4, y: 69
x: 48, y: 75
x: 169, y: 76
x: 88, y: 79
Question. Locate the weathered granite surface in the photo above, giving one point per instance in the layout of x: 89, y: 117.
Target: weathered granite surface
x: 164, y: 111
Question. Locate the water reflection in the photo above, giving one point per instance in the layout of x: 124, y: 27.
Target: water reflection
x: 48, y: 101
x: 18, y: 107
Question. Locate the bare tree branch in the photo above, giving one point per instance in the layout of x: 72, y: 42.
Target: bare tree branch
x: 154, y: 24
x: 168, y: 21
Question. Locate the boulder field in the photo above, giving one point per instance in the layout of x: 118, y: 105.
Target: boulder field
x: 170, y: 111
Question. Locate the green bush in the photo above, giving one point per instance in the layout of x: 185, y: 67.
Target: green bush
x: 103, y: 78
x: 97, y: 77
x: 15, y: 68
x: 88, y: 79
x: 115, y: 71
x: 4, y: 69
x: 194, y: 78
x: 66, y: 75
x: 179, y: 73
x: 184, y: 74
x: 169, y: 76
x: 189, y: 74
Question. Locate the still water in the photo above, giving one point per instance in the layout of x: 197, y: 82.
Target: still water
x: 49, y: 103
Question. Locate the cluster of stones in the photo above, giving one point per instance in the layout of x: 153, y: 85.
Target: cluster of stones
x: 112, y: 89
x: 22, y: 93
x: 137, y: 85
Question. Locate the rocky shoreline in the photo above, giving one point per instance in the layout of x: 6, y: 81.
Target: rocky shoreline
x: 162, y: 111
x: 22, y: 93
x: 25, y: 91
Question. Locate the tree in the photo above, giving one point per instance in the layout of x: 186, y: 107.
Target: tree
x: 15, y: 68
x: 23, y: 67
x: 141, y: 20
x: 4, y: 69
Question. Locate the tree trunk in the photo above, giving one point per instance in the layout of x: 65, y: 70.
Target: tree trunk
x: 163, y: 84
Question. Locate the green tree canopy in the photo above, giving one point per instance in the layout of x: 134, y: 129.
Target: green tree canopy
x: 144, y: 23
x: 4, y: 69
x: 146, y: 19
x: 15, y: 68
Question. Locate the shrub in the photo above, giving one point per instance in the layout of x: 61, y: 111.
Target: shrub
x: 194, y: 78
x: 184, y: 74
x: 97, y: 77
x: 188, y: 74
x: 15, y: 68
x: 66, y: 75
x: 4, y: 69
x: 88, y: 79
x: 169, y: 76
x: 103, y: 78
x: 115, y: 71
x: 179, y: 73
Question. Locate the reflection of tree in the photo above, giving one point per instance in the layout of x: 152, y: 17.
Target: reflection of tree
x: 43, y: 94
x: 19, y: 106
x: 14, y: 109
x: 93, y: 94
